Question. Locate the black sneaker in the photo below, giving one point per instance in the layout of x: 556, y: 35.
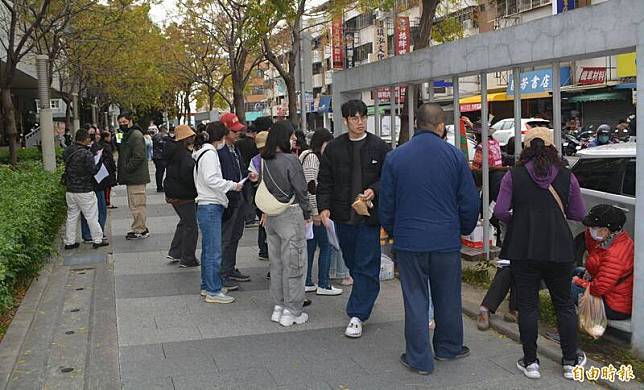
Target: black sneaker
x: 307, y: 302
x: 229, y: 284
x: 101, y: 244
x: 403, y: 360
x: 465, y: 352
x: 72, y: 246
x: 268, y: 276
x: 238, y: 276
x: 262, y: 257
x: 88, y: 240
x: 190, y: 265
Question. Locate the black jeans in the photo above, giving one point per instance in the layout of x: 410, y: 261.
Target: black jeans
x: 233, y: 229
x: 527, y: 276
x: 184, y: 243
x: 501, y: 284
x: 160, y: 166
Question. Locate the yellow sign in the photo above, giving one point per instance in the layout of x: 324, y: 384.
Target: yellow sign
x: 626, y: 65
x: 624, y: 374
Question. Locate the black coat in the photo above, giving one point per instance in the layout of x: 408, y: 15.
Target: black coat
x: 80, y: 168
x: 334, y: 179
x: 158, y: 144
x: 179, y: 182
x: 110, y: 165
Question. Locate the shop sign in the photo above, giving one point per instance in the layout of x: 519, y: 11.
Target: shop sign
x: 381, y: 40
x: 402, y: 35
x: 626, y: 66
x: 591, y: 76
x: 338, y: 47
x: 559, y: 6
x: 384, y: 95
x: 470, y: 107
x: 348, y: 50
x: 538, y: 81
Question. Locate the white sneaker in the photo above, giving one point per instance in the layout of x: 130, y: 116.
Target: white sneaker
x: 531, y: 371
x: 204, y: 293
x: 568, y: 367
x: 219, y: 298
x: 310, y: 288
x: 332, y: 291
x: 354, y: 329
x: 288, y: 318
x: 277, y: 313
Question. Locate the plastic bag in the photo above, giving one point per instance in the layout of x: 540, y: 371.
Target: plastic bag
x: 592, y: 315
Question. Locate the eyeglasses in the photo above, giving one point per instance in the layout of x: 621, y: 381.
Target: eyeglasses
x: 357, y: 118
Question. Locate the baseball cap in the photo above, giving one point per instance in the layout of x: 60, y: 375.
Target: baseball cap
x: 260, y: 139
x: 231, y: 121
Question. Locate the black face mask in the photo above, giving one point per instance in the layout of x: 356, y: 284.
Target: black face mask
x: 444, y: 136
x: 123, y: 127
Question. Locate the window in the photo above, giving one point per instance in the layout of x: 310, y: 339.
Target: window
x: 361, y: 53
x: 628, y: 187
x: 54, y: 104
x: 257, y: 90
x: 600, y: 174
x: 317, y: 68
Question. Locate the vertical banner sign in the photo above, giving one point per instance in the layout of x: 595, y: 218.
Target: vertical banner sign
x: 338, y: 47
x: 381, y: 40
x: 559, y: 6
x: 402, y: 35
x: 349, y: 46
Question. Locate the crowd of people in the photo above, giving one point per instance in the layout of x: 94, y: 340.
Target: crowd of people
x: 334, y: 196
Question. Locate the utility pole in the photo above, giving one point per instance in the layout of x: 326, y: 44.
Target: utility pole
x: 301, y: 73
x: 46, y: 118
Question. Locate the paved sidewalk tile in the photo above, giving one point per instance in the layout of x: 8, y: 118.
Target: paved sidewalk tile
x: 169, y: 338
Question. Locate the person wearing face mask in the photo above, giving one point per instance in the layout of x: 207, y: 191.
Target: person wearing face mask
x: 427, y: 201
x: 134, y: 174
x: 535, y: 200
x: 180, y: 192
x: 212, y: 189
x: 232, y: 168
x: 609, y: 265
x: 602, y: 136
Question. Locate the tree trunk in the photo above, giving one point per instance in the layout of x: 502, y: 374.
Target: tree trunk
x: 10, y: 123
x: 292, y: 100
x: 424, y: 37
x: 186, y: 106
x: 211, y: 99
x: 238, y: 97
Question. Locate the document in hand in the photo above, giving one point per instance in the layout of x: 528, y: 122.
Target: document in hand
x: 333, y: 238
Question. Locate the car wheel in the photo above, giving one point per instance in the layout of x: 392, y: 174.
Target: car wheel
x: 580, y: 249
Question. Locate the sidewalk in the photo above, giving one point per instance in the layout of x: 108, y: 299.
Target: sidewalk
x: 95, y: 320
x: 170, y: 339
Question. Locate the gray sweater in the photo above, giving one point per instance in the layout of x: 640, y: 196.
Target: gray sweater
x: 284, y: 177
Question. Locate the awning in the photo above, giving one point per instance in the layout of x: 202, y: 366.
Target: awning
x: 325, y: 104
x: 626, y: 86
x: 598, y: 97
x: 473, y: 103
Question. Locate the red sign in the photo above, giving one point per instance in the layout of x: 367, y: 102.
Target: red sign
x: 590, y: 76
x: 384, y: 95
x: 338, y: 46
x: 470, y: 107
x: 402, y: 36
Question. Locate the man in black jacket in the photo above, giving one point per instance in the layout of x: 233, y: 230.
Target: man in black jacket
x: 349, y: 170
x: 160, y: 163
x: 80, y: 168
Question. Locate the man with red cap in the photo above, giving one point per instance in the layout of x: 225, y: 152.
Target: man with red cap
x: 232, y: 168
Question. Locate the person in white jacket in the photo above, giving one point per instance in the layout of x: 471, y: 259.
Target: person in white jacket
x: 211, y: 202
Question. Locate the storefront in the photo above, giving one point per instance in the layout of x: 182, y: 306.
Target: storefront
x: 602, y: 106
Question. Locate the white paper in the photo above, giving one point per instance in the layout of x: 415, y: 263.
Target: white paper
x: 242, y: 181
x: 102, y: 174
x: 308, y: 230
x: 333, y: 238
x: 98, y: 156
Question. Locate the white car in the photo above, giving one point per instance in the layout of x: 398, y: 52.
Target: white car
x: 606, y: 175
x: 471, y: 146
x: 504, y: 129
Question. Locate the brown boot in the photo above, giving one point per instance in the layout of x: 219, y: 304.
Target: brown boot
x: 484, y: 320
x: 510, y: 316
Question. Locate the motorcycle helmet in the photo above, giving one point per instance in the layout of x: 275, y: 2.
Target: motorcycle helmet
x: 605, y: 215
x: 603, y: 134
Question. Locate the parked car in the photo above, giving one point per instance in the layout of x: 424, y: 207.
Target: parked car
x: 606, y: 175
x: 471, y: 144
x: 504, y: 129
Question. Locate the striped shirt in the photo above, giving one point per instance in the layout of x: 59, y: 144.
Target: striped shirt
x: 311, y: 165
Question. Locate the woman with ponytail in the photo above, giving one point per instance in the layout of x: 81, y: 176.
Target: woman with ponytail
x: 535, y: 200
x: 211, y: 202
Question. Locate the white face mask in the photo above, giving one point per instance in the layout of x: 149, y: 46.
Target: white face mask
x: 220, y: 146
x: 594, y: 233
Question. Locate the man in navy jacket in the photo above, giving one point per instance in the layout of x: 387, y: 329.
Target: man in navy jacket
x: 427, y: 201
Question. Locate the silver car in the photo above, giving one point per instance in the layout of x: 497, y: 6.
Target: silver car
x: 606, y: 175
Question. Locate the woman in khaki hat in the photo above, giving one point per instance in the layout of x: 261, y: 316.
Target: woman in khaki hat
x: 180, y: 192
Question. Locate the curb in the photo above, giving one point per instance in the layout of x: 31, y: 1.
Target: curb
x: 546, y: 347
x: 11, y: 345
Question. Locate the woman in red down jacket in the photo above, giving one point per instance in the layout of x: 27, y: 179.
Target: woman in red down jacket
x: 609, y: 266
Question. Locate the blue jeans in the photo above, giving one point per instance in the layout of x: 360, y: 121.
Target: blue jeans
x: 442, y: 271
x: 209, y: 220
x: 321, y: 239
x: 360, y: 246
x: 102, y: 217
